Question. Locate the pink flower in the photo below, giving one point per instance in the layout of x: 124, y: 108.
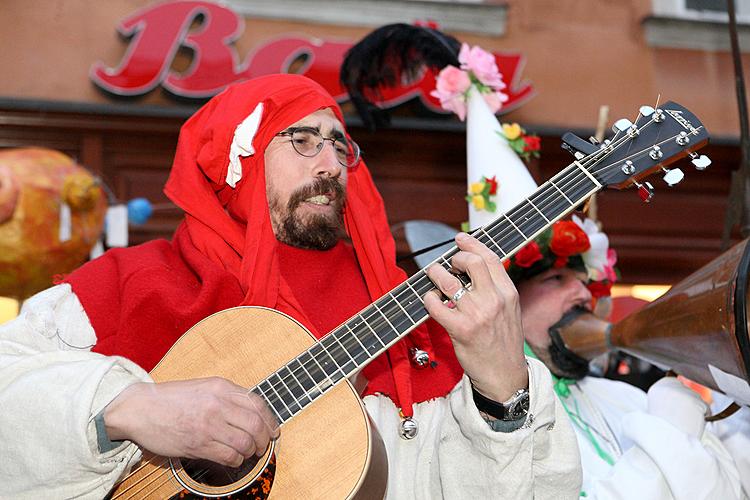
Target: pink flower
x: 452, y: 83
x: 495, y: 100
x: 609, y: 267
x: 482, y: 64
x: 457, y: 105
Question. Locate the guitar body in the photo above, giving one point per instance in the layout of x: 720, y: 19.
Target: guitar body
x: 329, y: 450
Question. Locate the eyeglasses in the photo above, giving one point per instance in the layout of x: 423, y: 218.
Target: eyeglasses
x: 308, y: 142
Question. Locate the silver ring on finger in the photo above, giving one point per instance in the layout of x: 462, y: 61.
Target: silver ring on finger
x: 457, y: 296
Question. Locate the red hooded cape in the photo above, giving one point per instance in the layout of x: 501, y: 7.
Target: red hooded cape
x: 224, y: 254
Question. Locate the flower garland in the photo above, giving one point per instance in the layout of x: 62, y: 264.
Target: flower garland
x: 576, y: 243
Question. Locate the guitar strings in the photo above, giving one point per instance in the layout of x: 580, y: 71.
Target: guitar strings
x: 574, y: 173
x: 571, y: 175
x: 379, y: 323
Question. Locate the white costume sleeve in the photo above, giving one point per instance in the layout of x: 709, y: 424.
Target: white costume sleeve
x: 670, y: 454
x: 51, y: 388
x: 457, y: 455
x: 734, y: 434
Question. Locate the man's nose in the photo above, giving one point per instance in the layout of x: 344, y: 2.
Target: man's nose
x: 581, y: 292
x: 327, y: 162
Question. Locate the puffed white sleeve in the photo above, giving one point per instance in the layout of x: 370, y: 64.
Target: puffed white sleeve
x: 51, y: 388
x: 673, y: 455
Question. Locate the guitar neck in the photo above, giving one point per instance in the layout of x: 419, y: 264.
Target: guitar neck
x: 366, y: 335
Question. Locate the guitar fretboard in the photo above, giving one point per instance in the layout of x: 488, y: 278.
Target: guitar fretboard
x: 363, y: 337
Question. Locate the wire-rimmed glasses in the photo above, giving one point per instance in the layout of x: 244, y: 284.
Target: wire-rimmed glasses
x: 308, y: 142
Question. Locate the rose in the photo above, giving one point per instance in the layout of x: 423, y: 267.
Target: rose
x: 528, y: 255
x: 609, y: 267
x: 560, y: 262
x: 495, y: 100
x: 456, y: 105
x: 493, y: 185
x: 452, y: 81
x: 532, y: 143
x: 568, y: 239
x: 600, y: 289
x: 482, y: 64
x: 452, y: 84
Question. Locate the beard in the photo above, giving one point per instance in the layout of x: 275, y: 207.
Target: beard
x: 310, y: 231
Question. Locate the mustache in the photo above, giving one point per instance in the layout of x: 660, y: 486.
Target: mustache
x: 320, y: 186
x: 568, y: 363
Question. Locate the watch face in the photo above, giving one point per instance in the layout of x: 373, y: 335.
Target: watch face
x: 519, y: 407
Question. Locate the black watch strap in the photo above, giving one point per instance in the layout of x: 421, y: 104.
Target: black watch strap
x: 499, y: 410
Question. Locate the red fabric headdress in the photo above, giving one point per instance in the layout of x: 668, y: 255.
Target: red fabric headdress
x: 244, y: 244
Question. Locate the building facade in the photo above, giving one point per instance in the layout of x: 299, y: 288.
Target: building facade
x: 110, y: 83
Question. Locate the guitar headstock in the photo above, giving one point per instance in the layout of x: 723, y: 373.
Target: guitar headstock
x: 657, y: 138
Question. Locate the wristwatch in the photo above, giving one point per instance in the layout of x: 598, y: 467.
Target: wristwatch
x: 514, y: 408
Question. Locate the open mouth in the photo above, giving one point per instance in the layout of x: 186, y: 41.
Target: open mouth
x: 319, y: 200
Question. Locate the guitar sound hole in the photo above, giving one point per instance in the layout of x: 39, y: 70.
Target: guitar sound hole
x: 213, y: 474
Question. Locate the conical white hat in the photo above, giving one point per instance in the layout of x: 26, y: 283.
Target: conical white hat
x: 488, y: 154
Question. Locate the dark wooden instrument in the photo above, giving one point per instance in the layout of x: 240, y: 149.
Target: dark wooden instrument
x: 701, y: 322
x: 327, y: 444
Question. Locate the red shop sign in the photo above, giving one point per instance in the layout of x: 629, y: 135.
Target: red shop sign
x: 155, y: 34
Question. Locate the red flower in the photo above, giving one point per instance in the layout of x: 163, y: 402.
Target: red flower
x: 533, y: 143
x: 560, y: 262
x: 600, y: 289
x: 528, y: 255
x: 506, y: 264
x: 492, y: 183
x: 568, y: 239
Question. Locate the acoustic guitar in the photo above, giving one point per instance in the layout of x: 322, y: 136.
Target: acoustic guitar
x: 327, y: 447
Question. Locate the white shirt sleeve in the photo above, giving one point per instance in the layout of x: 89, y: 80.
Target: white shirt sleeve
x: 51, y: 388
x: 457, y: 455
x: 734, y: 434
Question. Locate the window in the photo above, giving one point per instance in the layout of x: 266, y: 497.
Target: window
x: 482, y: 17
x: 696, y: 24
x: 701, y: 10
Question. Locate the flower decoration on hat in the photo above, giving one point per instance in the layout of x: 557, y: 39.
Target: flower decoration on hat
x: 577, y: 244
x: 481, y: 194
x: 526, y: 145
x: 478, y: 70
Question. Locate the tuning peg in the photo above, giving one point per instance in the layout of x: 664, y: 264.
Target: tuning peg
x: 673, y: 176
x: 701, y: 162
x: 646, y: 110
x: 645, y: 191
x: 622, y: 125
